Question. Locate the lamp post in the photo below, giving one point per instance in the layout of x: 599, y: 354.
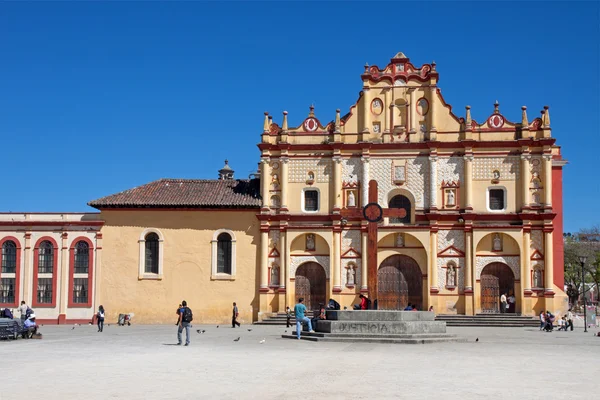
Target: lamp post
x: 582, y: 260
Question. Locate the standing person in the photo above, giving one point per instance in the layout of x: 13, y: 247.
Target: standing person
x: 23, y: 308
x: 570, y: 320
x: 186, y: 318
x: 430, y: 308
x: 288, y: 317
x: 503, y: 303
x: 234, y: 316
x: 542, y: 320
x: 178, y: 312
x: 511, y: 303
x: 100, y: 317
x: 300, y: 311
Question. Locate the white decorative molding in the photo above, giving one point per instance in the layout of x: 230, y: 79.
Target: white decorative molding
x: 511, y: 261
x: 450, y: 169
x: 296, y: 261
x: 273, y: 238
x: 484, y: 167
x: 299, y: 168
x: 351, y: 238
x: 417, y: 172
x: 537, y: 241
x: 441, y: 270
x: 142, y: 274
x: 213, y: 258
x: 351, y: 169
x: 447, y: 238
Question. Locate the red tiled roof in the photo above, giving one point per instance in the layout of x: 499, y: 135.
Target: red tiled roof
x: 186, y: 193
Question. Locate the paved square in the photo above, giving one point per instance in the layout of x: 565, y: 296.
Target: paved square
x: 143, y: 362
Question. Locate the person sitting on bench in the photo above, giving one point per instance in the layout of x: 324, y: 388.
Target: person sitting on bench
x: 30, y: 327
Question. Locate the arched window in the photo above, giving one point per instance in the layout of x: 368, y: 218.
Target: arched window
x: 82, y: 257
x: 9, y: 257
x: 151, y: 254
x: 46, y: 258
x: 400, y: 201
x: 224, y: 254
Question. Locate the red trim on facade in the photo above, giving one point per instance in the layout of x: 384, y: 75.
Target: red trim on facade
x: 17, y: 270
x: 36, y: 260
x: 51, y: 223
x: 249, y: 209
x: 558, y: 244
x: 90, y: 279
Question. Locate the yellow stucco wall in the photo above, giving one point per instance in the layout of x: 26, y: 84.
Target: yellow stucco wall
x: 186, y: 266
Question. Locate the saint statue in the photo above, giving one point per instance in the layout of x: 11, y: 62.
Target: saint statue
x: 451, y: 280
x: 496, y: 174
x: 537, y: 279
x: 497, y: 242
x: 310, y: 242
x: 350, y: 277
x: 400, y: 240
x: 275, y: 275
x: 451, y: 198
x: 351, y: 199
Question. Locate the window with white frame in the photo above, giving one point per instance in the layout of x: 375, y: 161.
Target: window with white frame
x: 496, y: 199
x: 7, y: 290
x: 223, y: 255
x: 310, y: 200
x: 151, y: 247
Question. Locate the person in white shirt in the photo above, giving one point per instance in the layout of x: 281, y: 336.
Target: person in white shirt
x: 503, y: 303
x: 542, y: 320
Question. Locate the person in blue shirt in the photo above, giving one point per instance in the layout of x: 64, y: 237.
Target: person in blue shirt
x: 300, y: 311
x: 30, y: 326
x: 408, y: 307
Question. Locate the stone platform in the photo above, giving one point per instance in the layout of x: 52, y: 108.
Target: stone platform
x: 380, y: 327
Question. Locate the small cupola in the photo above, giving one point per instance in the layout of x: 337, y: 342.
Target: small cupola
x: 226, y: 172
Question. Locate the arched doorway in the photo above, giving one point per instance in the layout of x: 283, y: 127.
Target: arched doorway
x: 399, y: 282
x: 400, y: 201
x: 496, y: 278
x: 311, y: 284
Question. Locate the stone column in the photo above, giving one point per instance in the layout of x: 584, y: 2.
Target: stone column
x: 335, y: 255
x: 413, y: 112
x: 433, y: 182
x: 386, y: 110
x: 63, y: 278
x: 27, y: 276
x: 97, y: 270
x: 264, y: 258
x: 468, y: 178
x: 366, y: 111
x: 548, y: 262
x: 265, y: 172
x: 525, y: 180
x: 284, y: 182
x: 547, y: 180
x: 526, y: 262
x: 283, y: 268
x: 337, y: 183
x: 432, y: 113
x: 364, y: 263
x: 433, y: 276
x: 468, y: 260
x: 365, y: 181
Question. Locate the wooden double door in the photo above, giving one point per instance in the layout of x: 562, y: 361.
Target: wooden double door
x: 496, y: 279
x: 311, y: 284
x: 399, y: 282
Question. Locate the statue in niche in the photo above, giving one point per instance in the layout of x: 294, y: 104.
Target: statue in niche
x: 537, y: 278
x: 275, y: 182
x: 310, y: 242
x: 351, y: 199
x: 311, y: 176
x: 275, y: 201
x: 275, y: 275
x: 451, y: 276
x: 400, y: 240
x: 451, y: 198
x: 497, y: 242
x: 496, y: 175
x: 350, y: 276
x: 536, y: 198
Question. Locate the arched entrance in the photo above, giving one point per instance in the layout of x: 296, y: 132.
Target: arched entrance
x: 311, y: 284
x: 496, y: 278
x: 399, y: 282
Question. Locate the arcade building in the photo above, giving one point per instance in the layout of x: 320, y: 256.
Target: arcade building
x: 399, y: 199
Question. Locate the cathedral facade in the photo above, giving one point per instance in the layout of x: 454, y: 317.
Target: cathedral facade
x: 399, y: 199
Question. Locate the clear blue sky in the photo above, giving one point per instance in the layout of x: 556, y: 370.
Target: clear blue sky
x: 96, y: 98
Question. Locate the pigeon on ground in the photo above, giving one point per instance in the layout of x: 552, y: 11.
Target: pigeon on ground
x: 236, y: 340
x: 198, y: 330
x: 217, y: 326
x: 285, y: 331
x: 262, y: 341
x: 249, y: 330
x: 73, y: 328
x: 203, y: 331
x: 477, y: 340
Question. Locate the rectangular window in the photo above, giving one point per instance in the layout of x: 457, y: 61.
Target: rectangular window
x: 46, y: 263
x: 44, y: 290
x: 80, y: 290
x: 9, y: 261
x: 224, y: 257
x: 7, y: 290
x: 311, y: 200
x: 496, y: 199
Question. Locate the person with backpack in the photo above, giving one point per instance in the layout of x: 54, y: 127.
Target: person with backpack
x: 186, y: 318
x: 100, y: 317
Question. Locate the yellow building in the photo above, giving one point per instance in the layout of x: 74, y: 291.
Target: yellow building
x: 399, y: 199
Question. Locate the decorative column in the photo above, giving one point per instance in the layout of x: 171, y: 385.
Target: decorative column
x: 366, y: 110
x: 433, y: 182
x: 63, y: 294
x: 264, y: 182
x: 337, y: 183
x: 468, y: 182
x: 468, y: 260
x: 388, y: 110
x: 526, y: 263
x: 27, y: 271
x: 432, y: 112
x: 548, y: 181
x: 364, y: 263
x: 335, y: 253
x: 264, y: 258
x: 413, y: 111
x: 525, y: 180
x: 548, y: 262
x: 283, y: 268
x: 284, y: 183
x: 97, y: 270
x: 433, y: 276
x: 365, y: 180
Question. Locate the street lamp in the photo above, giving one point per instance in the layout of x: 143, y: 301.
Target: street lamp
x: 582, y: 260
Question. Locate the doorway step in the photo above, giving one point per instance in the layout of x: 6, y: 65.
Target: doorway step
x: 494, y: 320
x: 279, y: 318
x: 375, y: 326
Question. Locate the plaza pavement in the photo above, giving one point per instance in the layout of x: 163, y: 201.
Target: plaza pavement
x: 143, y: 362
